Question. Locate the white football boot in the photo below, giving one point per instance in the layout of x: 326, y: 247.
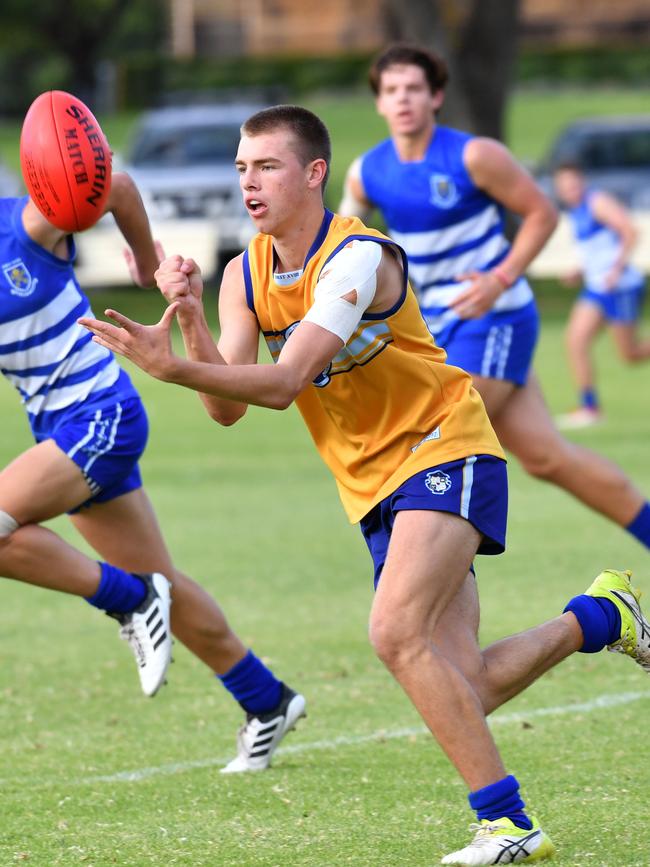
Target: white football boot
x: 260, y: 736
x: 499, y: 841
x: 148, y: 633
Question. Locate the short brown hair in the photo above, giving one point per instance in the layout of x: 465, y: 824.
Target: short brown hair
x: 308, y: 129
x: 407, y: 53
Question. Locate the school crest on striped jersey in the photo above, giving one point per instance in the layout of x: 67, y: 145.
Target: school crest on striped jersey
x: 443, y: 191
x: 20, y: 280
x: 438, y: 482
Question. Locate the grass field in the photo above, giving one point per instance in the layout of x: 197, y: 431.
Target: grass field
x: 94, y: 774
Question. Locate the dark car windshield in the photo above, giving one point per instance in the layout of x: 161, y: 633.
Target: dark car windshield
x: 605, y: 149
x: 190, y: 146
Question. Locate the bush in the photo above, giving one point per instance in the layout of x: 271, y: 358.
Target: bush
x: 598, y: 65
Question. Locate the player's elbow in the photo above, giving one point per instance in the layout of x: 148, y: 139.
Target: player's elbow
x: 287, y: 386
x: 282, y: 398
x: 226, y: 416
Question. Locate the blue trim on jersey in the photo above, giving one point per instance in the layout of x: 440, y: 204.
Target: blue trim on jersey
x: 34, y: 248
x: 248, y: 282
x: 446, y: 282
x: 44, y: 369
x: 320, y: 237
x: 37, y: 339
x: 75, y: 378
x: 426, y: 259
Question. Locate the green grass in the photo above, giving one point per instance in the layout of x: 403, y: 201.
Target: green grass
x: 252, y: 514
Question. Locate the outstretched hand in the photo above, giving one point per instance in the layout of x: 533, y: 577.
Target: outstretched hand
x: 147, y: 346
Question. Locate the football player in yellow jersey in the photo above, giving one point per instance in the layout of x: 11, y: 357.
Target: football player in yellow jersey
x: 406, y: 437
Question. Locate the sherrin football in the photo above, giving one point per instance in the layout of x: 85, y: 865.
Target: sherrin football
x: 65, y: 161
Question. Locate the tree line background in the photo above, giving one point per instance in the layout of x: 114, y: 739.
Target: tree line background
x: 113, y: 54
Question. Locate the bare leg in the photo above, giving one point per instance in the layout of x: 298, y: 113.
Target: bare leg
x: 585, y: 322
x: 525, y: 428
x: 414, y: 591
x: 630, y: 346
x: 496, y: 393
x: 503, y: 669
x: 43, y: 483
x: 40, y: 484
x: 125, y: 532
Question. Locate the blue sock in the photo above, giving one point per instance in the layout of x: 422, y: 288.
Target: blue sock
x: 500, y: 800
x: 640, y: 526
x: 253, y: 685
x: 599, y: 619
x: 589, y: 398
x: 118, y: 591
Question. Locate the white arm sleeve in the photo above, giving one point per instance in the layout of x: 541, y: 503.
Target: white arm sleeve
x: 352, y: 271
x: 351, y: 206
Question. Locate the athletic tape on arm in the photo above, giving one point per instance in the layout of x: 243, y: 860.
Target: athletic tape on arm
x: 353, y: 270
x: 7, y: 524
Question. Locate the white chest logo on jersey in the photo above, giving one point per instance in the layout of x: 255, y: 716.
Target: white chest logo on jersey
x: 438, y: 482
x: 443, y: 191
x: 20, y: 280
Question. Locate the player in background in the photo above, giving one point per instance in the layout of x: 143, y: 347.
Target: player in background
x: 91, y: 429
x: 406, y: 437
x: 613, y: 292
x: 443, y: 194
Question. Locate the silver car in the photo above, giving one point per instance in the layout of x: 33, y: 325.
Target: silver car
x: 182, y: 159
x: 613, y: 152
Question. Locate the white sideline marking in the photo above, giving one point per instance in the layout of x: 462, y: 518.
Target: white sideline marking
x: 603, y: 701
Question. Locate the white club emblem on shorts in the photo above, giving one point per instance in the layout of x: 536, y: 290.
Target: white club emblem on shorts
x: 438, y: 482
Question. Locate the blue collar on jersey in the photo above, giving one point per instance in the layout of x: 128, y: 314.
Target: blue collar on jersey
x: 34, y: 248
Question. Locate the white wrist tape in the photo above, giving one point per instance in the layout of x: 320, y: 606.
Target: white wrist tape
x: 7, y: 525
x: 352, y: 272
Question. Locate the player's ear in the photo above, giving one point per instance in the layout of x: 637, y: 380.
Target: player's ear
x: 317, y: 172
x: 437, y: 100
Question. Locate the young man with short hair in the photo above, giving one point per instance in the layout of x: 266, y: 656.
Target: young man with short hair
x: 406, y: 437
x: 443, y: 194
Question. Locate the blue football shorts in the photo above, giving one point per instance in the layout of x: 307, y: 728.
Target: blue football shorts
x: 498, y: 345
x: 620, y: 305
x: 106, y: 444
x: 476, y: 488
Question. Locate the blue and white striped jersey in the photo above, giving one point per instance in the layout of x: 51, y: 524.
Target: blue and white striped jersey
x: 444, y: 222
x: 598, y: 247
x: 44, y: 353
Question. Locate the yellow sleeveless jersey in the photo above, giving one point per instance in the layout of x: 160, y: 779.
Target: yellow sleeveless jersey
x: 388, y: 405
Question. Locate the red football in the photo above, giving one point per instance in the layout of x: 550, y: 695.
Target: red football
x: 66, y: 161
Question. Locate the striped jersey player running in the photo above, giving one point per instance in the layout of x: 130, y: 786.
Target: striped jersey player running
x: 443, y: 194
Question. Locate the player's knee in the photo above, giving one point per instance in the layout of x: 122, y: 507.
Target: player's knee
x: 8, y: 525
x: 393, y: 640
x: 545, y: 463
x: 628, y: 354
